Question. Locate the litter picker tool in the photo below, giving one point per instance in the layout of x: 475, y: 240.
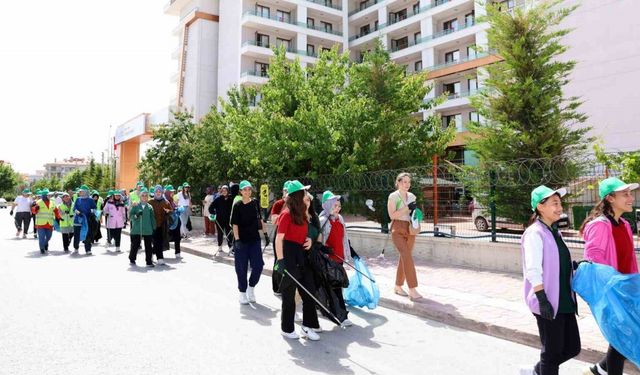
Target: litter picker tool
x: 352, y: 266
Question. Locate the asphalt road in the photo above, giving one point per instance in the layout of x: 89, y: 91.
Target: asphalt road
x: 74, y: 314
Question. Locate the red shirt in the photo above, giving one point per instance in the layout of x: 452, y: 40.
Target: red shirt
x: 624, y: 247
x: 292, y: 232
x: 277, y: 207
x: 335, y: 241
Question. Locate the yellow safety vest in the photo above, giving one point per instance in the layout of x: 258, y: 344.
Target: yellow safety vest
x: 66, y: 215
x: 45, y: 214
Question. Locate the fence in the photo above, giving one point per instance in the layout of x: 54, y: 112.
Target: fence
x: 465, y: 202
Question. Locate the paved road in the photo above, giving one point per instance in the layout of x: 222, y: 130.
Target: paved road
x: 66, y: 314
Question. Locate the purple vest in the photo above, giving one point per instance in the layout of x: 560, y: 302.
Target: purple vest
x: 550, y: 269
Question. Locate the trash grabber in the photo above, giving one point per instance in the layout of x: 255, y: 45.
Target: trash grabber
x: 333, y: 317
x: 355, y: 269
x: 386, y: 241
x: 272, y: 241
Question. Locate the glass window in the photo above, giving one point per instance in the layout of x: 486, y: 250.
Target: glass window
x: 453, y: 89
x: 417, y: 66
x: 284, y: 16
x: 452, y: 57
x: 416, y: 37
x: 506, y: 5
x: 451, y: 25
x: 262, y: 69
x: 453, y: 121
x: 471, y: 52
x: 473, y: 116
x: 328, y: 27
x: 262, y: 40
x: 363, y: 4
x: 469, y: 18
x: 416, y: 8
x: 311, y: 22
x: 472, y: 84
x: 364, y: 30
x: 283, y: 42
x: 375, y: 25
x: 398, y: 44
x: 398, y: 16
x: 311, y: 50
x: 326, y: 49
x: 263, y: 11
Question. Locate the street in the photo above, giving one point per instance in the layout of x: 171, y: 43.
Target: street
x: 77, y: 314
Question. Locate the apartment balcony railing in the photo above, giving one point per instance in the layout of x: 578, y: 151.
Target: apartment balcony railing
x: 363, y: 6
x: 266, y: 45
x: 413, y: 12
x: 288, y: 20
x: 328, y: 3
x: 456, y: 62
x: 428, y: 38
x: 254, y: 73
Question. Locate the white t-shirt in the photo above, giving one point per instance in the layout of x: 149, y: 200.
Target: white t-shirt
x: 23, y: 204
x: 207, y: 202
x: 182, y: 201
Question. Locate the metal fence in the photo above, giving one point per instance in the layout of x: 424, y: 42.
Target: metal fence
x: 451, y: 206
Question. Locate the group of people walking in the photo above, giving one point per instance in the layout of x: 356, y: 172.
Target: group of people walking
x: 548, y: 270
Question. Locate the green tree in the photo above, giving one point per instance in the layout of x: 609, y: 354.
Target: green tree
x: 627, y: 163
x: 526, y: 118
x: 8, y: 179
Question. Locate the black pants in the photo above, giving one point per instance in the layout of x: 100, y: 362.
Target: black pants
x: 173, y: 236
x: 23, y: 219
x: 158, y: 242
x: 297, y: 265
x: 66, y: 240
x: 148, y: 250
x: 109, y: 235
x: 115, y: 234
x: 560, y: 342
x: 613, y: 363
x: 226, y: 231
x: 76, y: 239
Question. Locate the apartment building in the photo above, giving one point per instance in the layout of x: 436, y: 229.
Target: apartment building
x: 223, y: 43
x: 61, y: 169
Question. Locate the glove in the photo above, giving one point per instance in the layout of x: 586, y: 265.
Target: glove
x: 11, y: 213
x: 546, y: 310
x: 412, y: 206
x: 266, y: 239
x: 237, y: 245
x: 78, y: 212
x: 577, y: 264
x: 279, y: 266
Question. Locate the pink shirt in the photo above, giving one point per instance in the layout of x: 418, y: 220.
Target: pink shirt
x: 599, y: 245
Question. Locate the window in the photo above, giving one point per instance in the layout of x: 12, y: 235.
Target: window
x: 416, y: 37
x: 283, y: 16
x: 311, y: 22
x: 451, y: 25
x: 261, y: 69
x: 326, y: 49
x: 469, y: 18
x: 364, y: 30
x: 375, y: 25
x: 417, y: 66
x: 416, y: 8
x: 473, y: 116
x: 363, y: 4
x: 452, y: 57
x: 398, y: 16
x: 453, y: 121
x: 398, y: 44
x: 472, y: 84
x: 311, y: 50
x: 471, y: 52
x: 506, y: 5
x: 262, y: 40
x: 453, y: 89
x: 284, y: 42
x: 328, y: 27
x: 263, y: 11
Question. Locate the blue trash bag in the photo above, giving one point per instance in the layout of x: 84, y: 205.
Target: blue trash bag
x: 56, y: 226
x: 98, y: 213
x: 361, y: 291
x: 175, y: 215
x: 81, y: 220
x: 614, y: 300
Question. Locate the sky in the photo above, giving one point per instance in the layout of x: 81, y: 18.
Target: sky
x: 71, y: 69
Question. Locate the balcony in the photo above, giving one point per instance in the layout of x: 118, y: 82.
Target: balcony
x: 364, y: 6
x: 334, y: 4
x: 266, y: 46
x: 254, y: 48
x: 429, y: 38
x: 254, y: 77
x: 413, y: 12
x: 173, y: 7
x: 290, y: 21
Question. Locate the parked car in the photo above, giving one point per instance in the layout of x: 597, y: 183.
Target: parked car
x: 3, y: 203
x: 482, y: 220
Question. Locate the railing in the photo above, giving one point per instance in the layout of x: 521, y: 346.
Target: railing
x: 327, y: 3
x: 456, y: 62
x: 266, y: 45
x: 364, y: 6
x: 254, y: 74
x: 307, y: 53
x: 360, y: 35
x: 432, y: 37
x: 290, y: 22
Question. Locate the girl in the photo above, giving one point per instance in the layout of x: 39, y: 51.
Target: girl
x: 400, y: 206
x: 334, y: 235
x: 64, y: 217
x: 174, y: 228
x: 547, y: 286
x: 291, y: 244
x: 247, y: 223
x: 608, y: 240
x: 143, y: 223
x: 116, y: 215
x: 184, y: 200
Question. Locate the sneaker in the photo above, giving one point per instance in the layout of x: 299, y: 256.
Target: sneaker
x: 42, y: 252
x: 66, y: 250
x: 231, y: 253
x: 24, y: 236
x: 277, y: 294
x: 243, y: 299
x: 347, y: 323
x: 75, y: 251
x: 219, y: 249
x: 18, y: 233
x: 118, y: 249
x: 151, y: 265
x: 309, y: 334
x: 527, y: 370
x: 317, y: 330
x: 291, y: 335
x: 594, y: 370
x: 132, y: 262
x: 178, y: 256
x: 161, y: 262
x: 89, y: 252
x: 251, y: 296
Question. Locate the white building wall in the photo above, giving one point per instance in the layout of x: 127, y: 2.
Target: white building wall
x: 230, y: 41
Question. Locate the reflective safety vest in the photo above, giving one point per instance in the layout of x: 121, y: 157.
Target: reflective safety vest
x: 45, y: 215
x: 66, y: 215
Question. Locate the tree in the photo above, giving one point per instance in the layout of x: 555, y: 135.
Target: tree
x: 8, y: 179
x: 627, y: 163
x: 525, y: 118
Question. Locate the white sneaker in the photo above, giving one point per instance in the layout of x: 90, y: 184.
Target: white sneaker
x: 107, y: 244
x: 347, y: 323
x: 527, y: 370
x: 243, y: 299
x: 308, y: 333
x: 297, y: 317
x: 219, y: 249
x: 117, y: 249
x: 291, y: 335
x: 251, y: 296
x: 24, y: 236
x: 178, y: 256
x: 317, y: 330
x: 160, y: 262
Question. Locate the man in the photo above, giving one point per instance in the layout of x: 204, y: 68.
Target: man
x: 209, y: 225
x: 23, y: 212
x: 44, y: 210
x: 161, y: 210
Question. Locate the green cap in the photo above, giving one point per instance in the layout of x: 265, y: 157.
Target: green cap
x: 109, y: 193
x: 328, y: 195
x: 26, y: 191
x: 295, y: 186
x: 44, y: 191
x: 285, y: 186
x: 612, y: 184
x: 95, y: 192
x: 169, y: 188
x: 542, y: 192
x: 116, y: 192
x: 144, y: 190
x: 186, y: 184
x: 245, y: 184
x: 152, y: 190
x: 139, y: 184
x: 84, y: 187
x: 416, y: 218
x: 38, y: 192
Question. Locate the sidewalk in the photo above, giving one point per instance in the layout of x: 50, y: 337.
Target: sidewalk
x: 481, y: 301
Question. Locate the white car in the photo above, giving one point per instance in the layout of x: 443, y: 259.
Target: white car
x: 482, y: 220
x: 3, y: 203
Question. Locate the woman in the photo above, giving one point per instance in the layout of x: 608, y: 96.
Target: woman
x: 143, y: 223
x: 334, y: 235
x: 609, y: 240
x: 291, y: 245
x: 161, y: 210
x: 247, y: 224
x: 99, y: 203
x: 173, y: 228
x: 547, y: 285
x: 184, y: 200
x: 84, y: 215
x: 400, y: 205
x: 221, y: 209
x: 64, y: 218
x: 115, y: 212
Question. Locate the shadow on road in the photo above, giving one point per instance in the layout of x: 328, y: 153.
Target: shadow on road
x: 259, y: 313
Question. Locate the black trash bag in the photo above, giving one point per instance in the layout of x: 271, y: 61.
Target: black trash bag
x: 189, y: 226
x: 331, y: 273
x: 327, y: 296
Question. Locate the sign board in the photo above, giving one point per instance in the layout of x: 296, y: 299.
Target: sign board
x: 131, y: 129
x: 264, y: 196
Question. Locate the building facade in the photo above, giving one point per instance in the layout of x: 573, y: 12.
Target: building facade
x: 226, y: 43
x: 60, y: 169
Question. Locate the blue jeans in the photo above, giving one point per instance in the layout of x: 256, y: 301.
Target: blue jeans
x: 44, y: 235
x: 245, y: 254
